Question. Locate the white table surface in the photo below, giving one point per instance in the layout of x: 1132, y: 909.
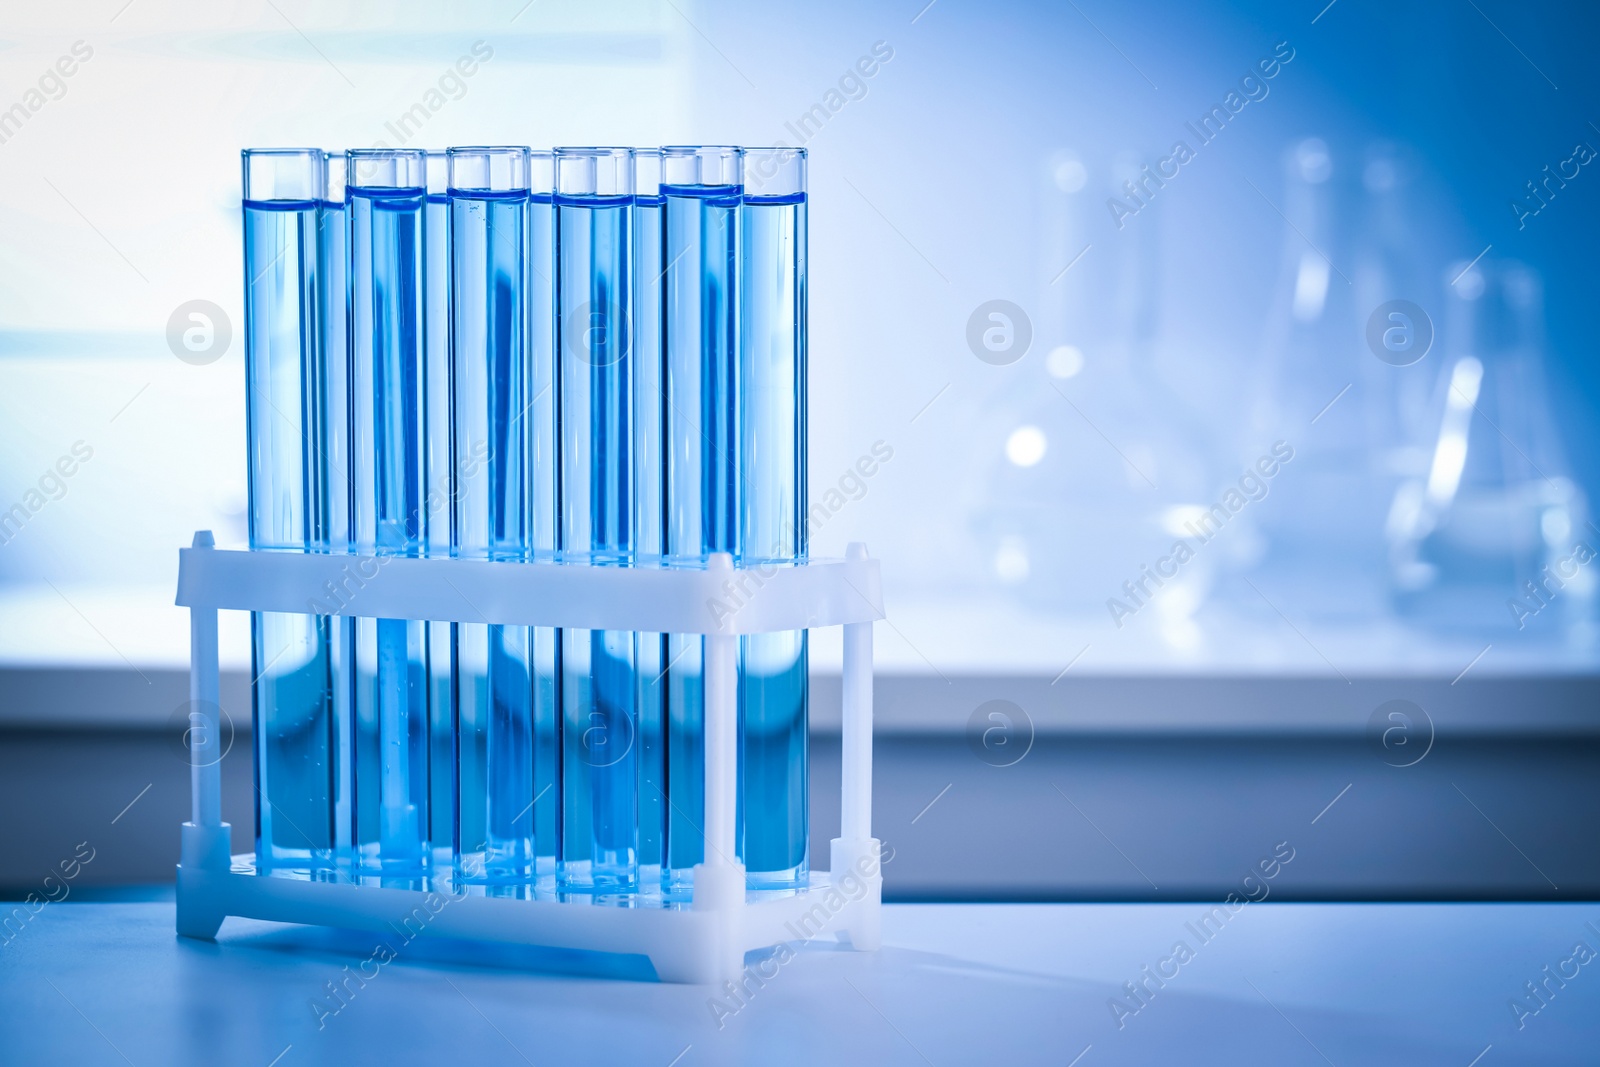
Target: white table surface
x: 97, y: 983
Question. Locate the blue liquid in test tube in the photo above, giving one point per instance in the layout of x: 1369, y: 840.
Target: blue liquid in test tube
x: 333, y: 221
x: 333, y: 291
x: 594, y: 205
x: 489, y: 411
x: 436, y: 457
x: 702, y: 189
x: 295, y: 728
x: 385, y: 193
x: 541, y: 417
x: 649, y: 485
x: 773, y: 682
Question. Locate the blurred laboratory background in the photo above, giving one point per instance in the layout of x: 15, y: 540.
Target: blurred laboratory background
x: 1234, y: 362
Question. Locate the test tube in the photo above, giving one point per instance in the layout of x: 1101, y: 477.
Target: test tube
x: 773, y: 685
x: 494, y: 839
x: 649, y: 484
x: 702, y: 188
x: 333, y: 292
x: 436, y: 457
x: 295, y: 730
x: 594, y: 205
x: 541, y: 419
x: 385, y: 193
x: 333, y: 222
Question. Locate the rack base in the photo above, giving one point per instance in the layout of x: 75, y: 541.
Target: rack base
x: 701, y: 943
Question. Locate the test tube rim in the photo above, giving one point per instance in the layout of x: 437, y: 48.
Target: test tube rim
x: 776, y: 149
x: 732, y: 155
x: 521, y: 181
x: 697, y: 149
x: 331, y: 159
x: 541, y: 173
x: 785, y: 155
x: 246, y: 153
x: 429, y: 156
x: 653, y: 197
x: 623, y: 156
x: 418, y: 156
x: 316, y: 157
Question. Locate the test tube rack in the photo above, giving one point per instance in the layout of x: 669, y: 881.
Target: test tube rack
x: 703, y: 943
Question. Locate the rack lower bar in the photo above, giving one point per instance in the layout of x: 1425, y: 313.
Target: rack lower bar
x: 680, y: 943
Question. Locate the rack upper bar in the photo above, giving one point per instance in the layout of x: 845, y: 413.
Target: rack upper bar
x: 718, y: 600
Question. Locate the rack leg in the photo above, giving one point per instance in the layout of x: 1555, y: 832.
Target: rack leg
x: 856, y: 737
x: 719, y: 880
x: 206, y: 842
x: 199, y: 913
x: 855, y: 850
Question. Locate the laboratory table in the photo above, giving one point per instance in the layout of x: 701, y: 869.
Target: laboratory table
x: 1462, y: 985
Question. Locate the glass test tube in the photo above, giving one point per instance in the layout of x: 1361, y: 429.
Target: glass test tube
x: 494, y: 833
x: 333, y: 291
x: 649, y: 483
x: 773, y: 684
x: 440, y: 636
x: 594, y: 203
x: 702, y: 188
x: 541, y: 304
x: 333, y: 224
x: 295, y: 731
x: 385, y: 193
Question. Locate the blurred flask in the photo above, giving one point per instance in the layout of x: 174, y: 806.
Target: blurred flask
x: 1033, y: 499
x: 1323, y: 519
x: 1095, y: 446
x: 1495, y: 534
x: 1389, y: 267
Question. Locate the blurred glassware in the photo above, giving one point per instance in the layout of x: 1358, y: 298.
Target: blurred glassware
x: 1495, y: 535
x: 1317, y: 390
x: 1093, y: 445
x: 1389, y: 265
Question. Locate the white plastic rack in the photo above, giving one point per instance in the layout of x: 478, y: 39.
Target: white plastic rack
x: 703, y: 943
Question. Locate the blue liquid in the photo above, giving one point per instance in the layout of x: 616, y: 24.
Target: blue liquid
x: 436, y: 391
x: 701, y: 306
x: 541, y: 418
x: 387, y: 368
x: 333, y: 292
x: 600, y: 813
x: 295, y: 729
x: 333, y: 223
x: 650, y: 469
x: 772, y: 425
x: 494, y: 838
